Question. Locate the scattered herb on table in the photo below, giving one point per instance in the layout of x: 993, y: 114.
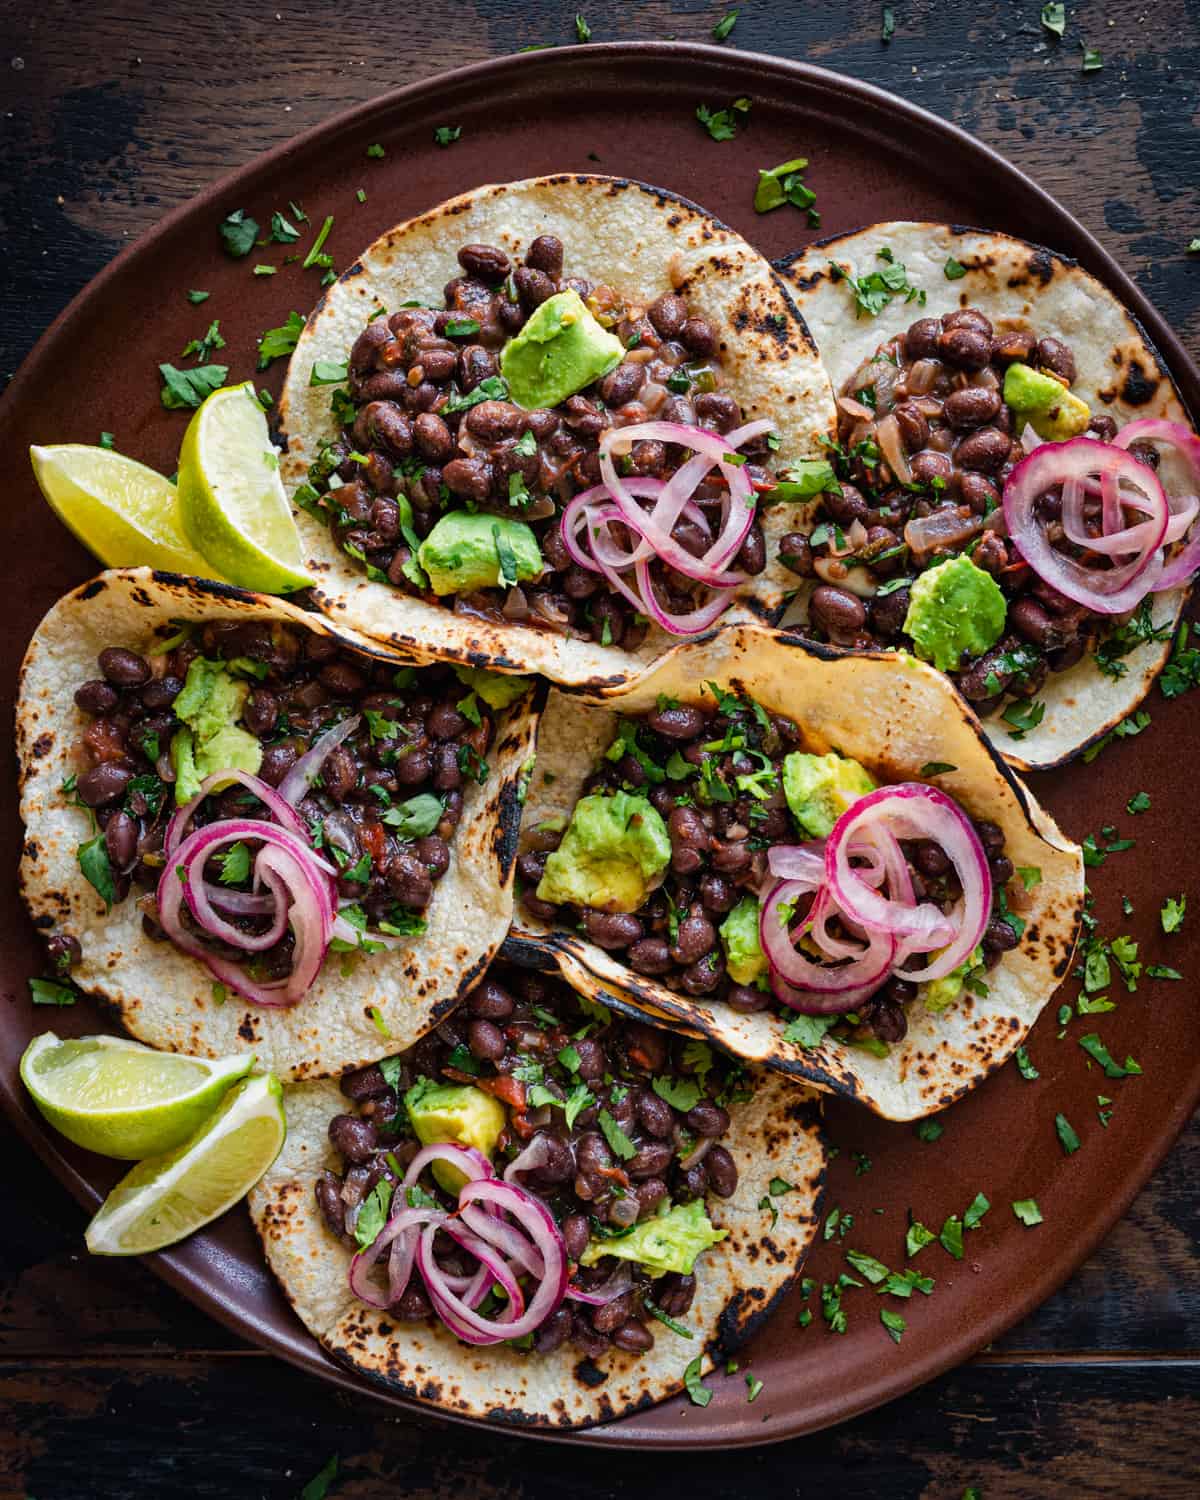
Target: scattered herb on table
x: 1025, y: 1065
x: 1067, y: 1135
x: 238, y: 233
x: 1126, y: 729
x: 195, y: 298
x: 722, y: 124
x: 893, y: 1322
x: 187, y: 389
x: 582, y: 30
x: 929, y: 1130
x: 1092, y: 61
x: 52, y: 992
x: 724, y: 26
x: 887, y: 28
x: 279, y: 342
x: 317, y: 1487
x: 1054, y: 18
x: 785, y: 184
x: 1138, y: 803
x: 1174, y: 909
x: 699, y: 1393
x: 446, y: 135
x: 1027, y: 1211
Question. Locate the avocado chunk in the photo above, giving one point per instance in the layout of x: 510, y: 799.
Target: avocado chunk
x: 457, y: 1112
x: 670, y: 1241
x: 495, y: 688
x: 819, y: 788
x: 210, y: 705
x: 560, y: 350
x: 465, y: 552
x: 612, y: 849
x: 1045, y: 403
x: 953, y: 608
x: 937, y: 994
x: 744, y: 957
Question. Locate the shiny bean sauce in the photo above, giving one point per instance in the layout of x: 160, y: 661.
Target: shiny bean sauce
x: 628, y: 1151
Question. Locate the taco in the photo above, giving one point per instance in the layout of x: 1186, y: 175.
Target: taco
x: 813, y: 858
x: 1019, y: 478
x: 483, y: 414
x: 246, y: 828
x: 543, y: 1213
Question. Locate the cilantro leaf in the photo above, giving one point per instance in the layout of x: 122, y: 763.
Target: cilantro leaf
x: 951, y: 1236
x: 953, y: 270
x: 917, y: 1238
x: 808, y: 1031
x: 1096, y: 1050
x: 866, y: 1265
x: 97, y: 871
x: 724, y: 26
x: 976, y: 1209
x: 619, y: 1142
x: 1138, y: 803
x: 699, y: 1393
x: 582, y: 30
x: 317, y: 1487
x: 1067, y: 1135
x: 893, y: 1322
x: 1024, y: 1066
x: 279, y: 342
x: 235, y: 864
x: 446, y: 135
x: 51, y: 992
x: 373, y: 1214
x: 680, y: 1093
x: 1027, y: 1211
x: 722, y: 124
x: 1174, y: 909
x: 1054, y: 18
x: 415, y: 818
x: 187, y: 389
x: 238, y: 233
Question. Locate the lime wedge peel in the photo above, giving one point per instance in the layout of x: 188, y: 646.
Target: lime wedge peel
x: 162, y: 1200
x: 121, y: 1099
x: 231, y: 498
x: 123, y: 512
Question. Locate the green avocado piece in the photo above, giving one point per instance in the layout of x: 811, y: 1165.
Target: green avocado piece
x: 560, y: 350
x: 465, y: 552
x: 210, y: 705
x: 669, y: 1241
x: 819, y: 788
x: 495, y: 688
x: 1045, y: 403
x: 937, y: 994
x: 612, y: 849
x: 457, y: 1112
x: 954, y: 607
x: 744, y: 957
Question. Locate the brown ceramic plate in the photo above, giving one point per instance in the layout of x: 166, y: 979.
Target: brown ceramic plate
x: 627, y: 109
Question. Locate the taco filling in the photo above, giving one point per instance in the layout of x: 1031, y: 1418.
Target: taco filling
x: 537, y: 1171
x: 988, y: 518
x: 273, y: 795
x: 544, y: 451
x: 712, y: 852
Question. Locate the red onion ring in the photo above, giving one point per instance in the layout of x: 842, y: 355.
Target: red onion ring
x: 284, y: 814
x: 1179, y: 436
x: 1112, y: 590
x: 812, y: 987
x: 608, y: 1291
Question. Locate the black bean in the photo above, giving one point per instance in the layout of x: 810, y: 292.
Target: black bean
x: 722, y: 1172
x: 329, y: 1200
x: 491, y: 1001
x: 650, y: 1193
x: 752, y: 554
x: 693, y: 1181
x: 650, y: 956
x: 1103, y: 428
x: 339, y: 774
x: 444, y: 722
x: 930, y: 859
x: 971, y: 407
x: 341, y: 679
x: 887, y: 1020
x: 104, y: 783
x: 679, y: 722
x: 887, y: 613
x: 1015, y: 344
x: 469, y: 478
x: 647, y: 1046
x: 654, y: 1114
x: 968, y: 317
x: 485, y: 1040
x: 634, y: 1337
x: 717, y: 893
x: 979, y: 493
x: 96, y: 697
x: 63, y: 952
x: 836, y: 611
x: 716, y: 409
x: 413, y: 1306
x: 159, y: 692
x: 593, y: 1062
x: 652, y: 1159
x: 746, y: 999
x: 409, y: 881
x: 992, y: 553
x: 120, y: 840
x: 353, y: 1137
x: 705, y: 975
x: 447, y: 774
x: 668, y: 313
x: 731, y: 858
x: 475, y: 364
x: 623, y: 383
x: 698, y: 335
x: 1002, y: 869
x: 921, y: 340
x: 690, y: 840
x: 999, y: 937
x: 432, y: 437
x: 1055, y: 356
x: 123, y: 668
x: 592, y: 1153
x: 364, y: 1083
x: 546, y: 254
x: 991, y: 836
x: 415, y: 767
x: 1036, y: 624
x: 707, y: 1118
x: 928, y: 466
x: 533, y: 287
x: 985, y: 450
x: 434, y: 854
x: 674, y: 1293
x: 382, y: 424
x: 555, y: 1331
x: 492, y: 421
x: 484, y: 261
x: 967, y: 347
x: 612, y: 929
x: 575, y: 1232
x: 277, y: 761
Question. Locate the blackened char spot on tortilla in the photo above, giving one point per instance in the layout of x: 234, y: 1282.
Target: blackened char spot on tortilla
x: 43, y: 745
x: 589, y: 1374
x: 91, y: 590
x: 1137, y: 390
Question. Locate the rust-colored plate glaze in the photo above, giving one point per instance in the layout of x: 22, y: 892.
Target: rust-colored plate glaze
x: 627, y: 109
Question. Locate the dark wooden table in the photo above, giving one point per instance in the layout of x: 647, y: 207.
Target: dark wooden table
x: 110, y: 1385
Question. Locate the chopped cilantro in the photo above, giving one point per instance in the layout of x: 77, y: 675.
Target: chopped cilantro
x: 951, y: 1236
x: 1182, y: 671
x: 722, y: 124
x: 238, y: 233
x: 187, y: 389
x: 953, y: 270
x: 327, y: 372
x: 724, y: 26
x: 887, y: 28
x: 937, y: 768
x: 698, y: 1392
x: 279, y: 342
x: 656, y: 1312
x: 929, y: 1130
x: 1025, y: 1066
x: 107, y: 441
x: 1092, y: 61
x: 1067, y: 1135
x: 680, y: 1093
x: 917, y: 1238
x: 1162, y: 971
x: 1096, y: 1050
x: 1021, y: 716
x: 1027, y: 1211
x: 876, y: 289
x: 314, y: 257
x: 373, y: 1214
x: 785, y: 184
x: 317, y: 1487
x: 976, y: 1209
x: 893, y: 1322
x: 235, y: 864
x: 619, y: 1142
x: 52, y: 992
x: 446, y: 135
x: 376, y: 152
x: 195, y: 298
x: 1138, y: 803
x: 582, y: 30
x: 378, y: 1022
x: 1054, y: 17
x: 1126, y: 729
x: 93, y: 861
x: 866, y: 1265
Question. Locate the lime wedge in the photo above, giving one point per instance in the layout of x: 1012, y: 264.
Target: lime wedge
x: 167, y: 1197
x: 121, y: 1099
x: 118, y: 508
x: 231, y: 497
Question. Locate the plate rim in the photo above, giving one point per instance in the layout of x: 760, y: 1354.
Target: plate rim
x: 1070, y: 235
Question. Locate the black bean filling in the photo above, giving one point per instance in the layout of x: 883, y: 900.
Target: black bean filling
x: 940, y: 383
x: 714, y: 776
x: 510, y: 1039
x: 413, y: 447
x: 415, y: 741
